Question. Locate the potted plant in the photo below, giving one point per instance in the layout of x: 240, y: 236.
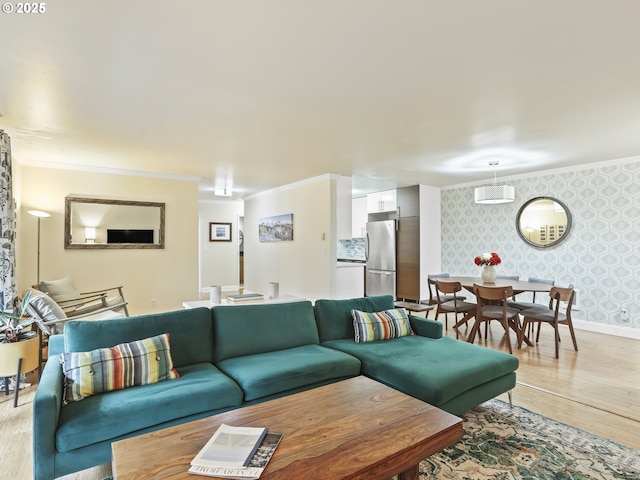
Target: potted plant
x: 19, y: 348
x: 12, y: 325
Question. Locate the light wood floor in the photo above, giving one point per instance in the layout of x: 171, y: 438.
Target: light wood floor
x: 596, y: 388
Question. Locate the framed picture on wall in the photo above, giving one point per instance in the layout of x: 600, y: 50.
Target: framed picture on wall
x: 219, y: 232
x: 278, y: 228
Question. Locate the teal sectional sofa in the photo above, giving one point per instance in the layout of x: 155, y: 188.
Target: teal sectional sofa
x: 231, y: 356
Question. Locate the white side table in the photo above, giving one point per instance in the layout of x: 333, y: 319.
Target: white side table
x: 282, y: 298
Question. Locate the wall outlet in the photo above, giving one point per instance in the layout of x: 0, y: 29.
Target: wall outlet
x: 153, y: 302
x: 624, y: 315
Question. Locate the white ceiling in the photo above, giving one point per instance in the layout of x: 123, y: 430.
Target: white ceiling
x: 255, y: 94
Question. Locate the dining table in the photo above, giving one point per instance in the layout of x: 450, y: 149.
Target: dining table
x: 518, y: 286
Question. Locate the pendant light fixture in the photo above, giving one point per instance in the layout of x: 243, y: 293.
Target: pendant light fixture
x: 495, y: 193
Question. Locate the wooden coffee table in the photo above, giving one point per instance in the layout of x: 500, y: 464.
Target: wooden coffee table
x: 354, y: 429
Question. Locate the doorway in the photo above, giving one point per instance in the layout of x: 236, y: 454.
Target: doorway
x: 241, y: 251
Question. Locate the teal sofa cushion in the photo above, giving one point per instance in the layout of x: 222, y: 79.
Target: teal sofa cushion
x: 433, y: 370
x: 200, y: 388
x: 269, y: 373
x: 251, y: 329
x: 190, y: 331
x: 334, y: 319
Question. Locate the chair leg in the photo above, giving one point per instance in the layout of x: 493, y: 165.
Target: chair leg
x: 510, y: 399
x: 506, y: 334
x: 521, y: 333
x: 555, y: 326
x: 573, y: 335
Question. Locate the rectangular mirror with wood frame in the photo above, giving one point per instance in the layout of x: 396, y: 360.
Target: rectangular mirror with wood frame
x: 93, y: 223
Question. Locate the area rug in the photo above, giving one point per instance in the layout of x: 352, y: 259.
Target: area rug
x: 511, y: 443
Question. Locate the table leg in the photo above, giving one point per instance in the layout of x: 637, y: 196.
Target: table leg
x: 472, y: 336
x: 516, y: 327
x: 410, y: 474
x: 464, y: 320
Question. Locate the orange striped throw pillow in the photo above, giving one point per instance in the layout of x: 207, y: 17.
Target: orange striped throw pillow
x: 372, y: 326
x: 116, y: 368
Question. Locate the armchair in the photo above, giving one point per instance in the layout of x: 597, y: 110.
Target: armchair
x: 75, y: 303
x: 51, y: 316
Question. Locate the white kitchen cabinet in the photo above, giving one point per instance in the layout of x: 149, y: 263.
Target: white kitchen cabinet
x: 359, y: 217
x: 344, y: 221
x: 349, y: 280
x: 385, y: 201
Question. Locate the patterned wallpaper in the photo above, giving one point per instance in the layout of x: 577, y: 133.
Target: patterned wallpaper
x: 600, y: 255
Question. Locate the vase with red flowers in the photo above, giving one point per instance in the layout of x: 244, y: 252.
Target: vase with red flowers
x: 489, y: 261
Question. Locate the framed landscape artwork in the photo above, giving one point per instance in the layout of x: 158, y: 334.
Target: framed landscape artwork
x: 278, y: 228
x: 219, y: 232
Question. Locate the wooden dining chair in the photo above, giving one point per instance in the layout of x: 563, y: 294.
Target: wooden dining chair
x: 431, y: 283
x: 532, y: 303
x: 449, y: 302
x: 509, y: 277
x: 552, y: 315
x: 514, y: 303
x: 491, y: 304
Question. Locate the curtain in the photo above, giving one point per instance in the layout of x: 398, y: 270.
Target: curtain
x: 8, y: 290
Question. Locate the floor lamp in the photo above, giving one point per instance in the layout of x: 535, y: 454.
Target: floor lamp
x: 40, y: 214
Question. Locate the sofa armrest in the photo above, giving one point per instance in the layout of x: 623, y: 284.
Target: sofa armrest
x: 56, y: 345
x: 425, y: 327
x: 46, y: 412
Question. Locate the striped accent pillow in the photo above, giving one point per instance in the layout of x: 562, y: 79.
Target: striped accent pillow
x: 116, y: 368
x: 372, y: 326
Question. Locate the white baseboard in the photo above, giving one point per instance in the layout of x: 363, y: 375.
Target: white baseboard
x: 617, y: 330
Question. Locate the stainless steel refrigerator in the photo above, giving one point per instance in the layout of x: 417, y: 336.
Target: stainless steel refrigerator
x: 380, y: 251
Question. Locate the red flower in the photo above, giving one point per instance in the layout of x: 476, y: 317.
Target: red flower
x: 487, y: 259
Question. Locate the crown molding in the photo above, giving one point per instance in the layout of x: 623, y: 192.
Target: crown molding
x: 113, y: 171
x: 553, y: 171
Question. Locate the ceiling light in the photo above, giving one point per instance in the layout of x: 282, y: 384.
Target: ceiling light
x: 222, y: 192
x: 495, y: 193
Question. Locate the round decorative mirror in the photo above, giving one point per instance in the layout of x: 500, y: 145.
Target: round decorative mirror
x: 543, y: 222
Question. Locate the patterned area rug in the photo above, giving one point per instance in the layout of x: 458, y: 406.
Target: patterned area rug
x: 503, y: 443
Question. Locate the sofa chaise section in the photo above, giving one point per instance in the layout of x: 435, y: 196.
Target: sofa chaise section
x: 447, y: 373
